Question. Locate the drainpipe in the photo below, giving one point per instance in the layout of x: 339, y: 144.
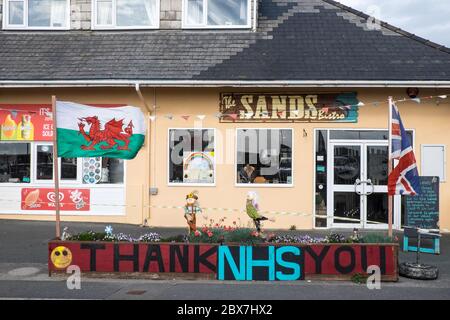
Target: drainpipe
x: 255, y: 15
x: 144, y: 216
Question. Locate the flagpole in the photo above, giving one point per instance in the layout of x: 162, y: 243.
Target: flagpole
x: 390, y: 204
x: 56, y: 170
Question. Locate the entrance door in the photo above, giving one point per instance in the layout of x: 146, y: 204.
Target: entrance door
x: 358, y: 185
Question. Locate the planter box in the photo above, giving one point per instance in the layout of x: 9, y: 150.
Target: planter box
x: 228, y: 262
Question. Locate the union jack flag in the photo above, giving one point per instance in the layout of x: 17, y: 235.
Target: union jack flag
x: 404, y: 179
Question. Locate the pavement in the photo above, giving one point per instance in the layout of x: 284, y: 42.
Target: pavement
x: 24, y: 275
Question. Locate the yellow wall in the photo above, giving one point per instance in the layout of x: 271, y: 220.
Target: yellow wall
x: 429, y: 121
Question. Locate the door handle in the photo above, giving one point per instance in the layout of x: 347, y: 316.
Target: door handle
x: 357, y: 183
x: 360, y: 182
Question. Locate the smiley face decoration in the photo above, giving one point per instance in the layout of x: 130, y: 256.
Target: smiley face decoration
x: 61, y: 257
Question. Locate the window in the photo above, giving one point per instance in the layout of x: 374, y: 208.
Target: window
x: 15, y: 162
x: 216, y: 14
x: 264, y: 156
x: 433, y: 161
x: 191, y: 156
x: 32, y: 162
x: 37, y: 14
x: 68, y: 168
x: 123, y: 14
x: 44, y: 162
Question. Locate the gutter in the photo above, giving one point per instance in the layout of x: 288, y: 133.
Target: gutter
x: 223, y: 83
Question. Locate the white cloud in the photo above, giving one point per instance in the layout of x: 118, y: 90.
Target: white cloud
x: 429, y: 19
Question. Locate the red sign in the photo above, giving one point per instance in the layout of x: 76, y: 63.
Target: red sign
x: 328, y: 260
x: 44, y: 199
x: 27, y: 122
x: 140, y: 257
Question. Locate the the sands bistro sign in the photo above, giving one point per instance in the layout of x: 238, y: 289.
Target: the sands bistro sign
x: 283, y: 107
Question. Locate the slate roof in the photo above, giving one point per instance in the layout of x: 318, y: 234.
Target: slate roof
x: 295, y: 40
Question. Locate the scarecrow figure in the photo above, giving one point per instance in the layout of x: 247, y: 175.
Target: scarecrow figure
x: 252, y: 209
x: 191, y: 208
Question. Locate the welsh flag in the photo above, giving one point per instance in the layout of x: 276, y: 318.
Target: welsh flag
x: 86, y: 131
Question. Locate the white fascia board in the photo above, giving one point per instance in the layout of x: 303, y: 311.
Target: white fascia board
x: 222, y: 83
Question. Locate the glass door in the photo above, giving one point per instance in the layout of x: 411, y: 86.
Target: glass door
x: 346, y: 189
x: 358, y: 185
x: 375, y: 193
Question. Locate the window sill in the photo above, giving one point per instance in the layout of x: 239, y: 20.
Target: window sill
x: 262, y: 185
x: 191, y: 185
x: 216, y: 27
x: 98, y: 28
x: 41, y: 184
x: 35, y: 29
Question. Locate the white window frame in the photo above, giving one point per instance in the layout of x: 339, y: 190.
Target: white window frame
x: 264, y: 185
x: 205, y: 25
x: 114, y: 26
x: 78, y: 182
x: 181, y: 184
x: 444, y: 147
x: 35, y: 179
x: 31, y: 164
x: 25, y: 26
x: 35, y: 164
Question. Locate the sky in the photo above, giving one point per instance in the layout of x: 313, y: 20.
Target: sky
x: 429, y: 19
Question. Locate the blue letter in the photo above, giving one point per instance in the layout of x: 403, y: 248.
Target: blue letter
x: 224, y: 253
x: 270, y: 263
x: 295, y: 266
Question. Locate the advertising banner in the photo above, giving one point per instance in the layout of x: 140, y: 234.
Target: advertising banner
x: 26, y: 122
x: 44, y: 199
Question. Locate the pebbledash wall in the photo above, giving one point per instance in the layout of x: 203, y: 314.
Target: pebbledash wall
x: 150, y: 169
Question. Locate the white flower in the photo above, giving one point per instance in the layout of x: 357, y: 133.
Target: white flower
x: 109, y: 230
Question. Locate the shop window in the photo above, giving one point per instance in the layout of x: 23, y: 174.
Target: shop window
x: 264, y: 156
x: 102, y: 170
x: 363, y: 134
x: 321, y: 178
x: 44, y: 162
x: 216, y: 14
x: 37, y: 14
x: 191, y: 156
x: 123, y: 14
x: 15, y: 159
x: 44, y: 165
x: 68, y: 168
x: 94, y: 170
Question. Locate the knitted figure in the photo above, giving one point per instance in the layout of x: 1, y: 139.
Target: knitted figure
x: 252, y: 209
x: 191, y: 208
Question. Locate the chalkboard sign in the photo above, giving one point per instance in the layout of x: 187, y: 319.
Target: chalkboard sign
x: 422, y: 210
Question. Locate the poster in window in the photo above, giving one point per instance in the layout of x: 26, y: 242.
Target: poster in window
x: 27, y: 122
x: 198, y: 167
x: 92, y: 170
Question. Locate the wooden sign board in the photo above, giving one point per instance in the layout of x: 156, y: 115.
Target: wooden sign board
x: 289, y: 107
x: 422, y: 210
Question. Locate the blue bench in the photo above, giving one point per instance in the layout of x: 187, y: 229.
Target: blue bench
x: 412, y: 233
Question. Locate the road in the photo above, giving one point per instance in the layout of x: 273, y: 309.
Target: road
x: 23, y: 275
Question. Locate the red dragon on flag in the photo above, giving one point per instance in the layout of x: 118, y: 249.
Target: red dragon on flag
x: 111, y: 134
